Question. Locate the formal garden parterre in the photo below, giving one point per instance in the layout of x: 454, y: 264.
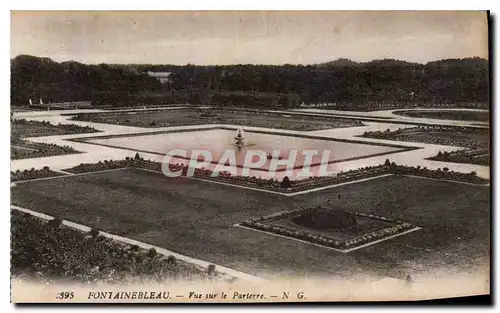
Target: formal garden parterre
x: 468, y: 156
x: 197, y: 218
x: 330, y: 227
x: 461, y: 115
x: 33, y: 173
x: 22, y: 128
x: 286, y: 185
x: 24, y: 149
x: 468, y: 137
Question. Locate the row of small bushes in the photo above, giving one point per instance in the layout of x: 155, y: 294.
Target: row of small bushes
x: 286, y: 185
x: 326, y: 241
x: 341, y: 177
x: 32, y: 174
x: 364, y: 105
x: 444, y: 173
x: 298, y: 234
x: 412, y: 134
x: 377, y: 217
x: 378, y: 234
x: 100, y: 166
x: 470, y: 156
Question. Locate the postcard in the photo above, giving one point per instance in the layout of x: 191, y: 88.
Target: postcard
x: 249, y: 156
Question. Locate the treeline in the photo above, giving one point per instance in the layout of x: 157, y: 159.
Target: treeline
x: 35, y: 78
x: 341, y: 81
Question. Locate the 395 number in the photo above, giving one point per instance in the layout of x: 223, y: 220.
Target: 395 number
x: 65, y: 295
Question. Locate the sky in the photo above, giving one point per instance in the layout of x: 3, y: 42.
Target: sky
x: 251, y: 37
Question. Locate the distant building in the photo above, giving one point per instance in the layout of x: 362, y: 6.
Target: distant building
x: 163, y: 77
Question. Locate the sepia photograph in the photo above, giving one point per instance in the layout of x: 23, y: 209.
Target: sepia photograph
x: 249, y: 156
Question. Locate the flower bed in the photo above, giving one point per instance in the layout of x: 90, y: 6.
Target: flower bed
x: 413, y: 134
x: 22, y: 149
x: 342, y: 177
x: 24, y: 128
x: 444, y: 174
x: 397, y: 228
x: 52, y: 252
x: 33, y: 174
x: 100, y: 166
x: 470, y: 156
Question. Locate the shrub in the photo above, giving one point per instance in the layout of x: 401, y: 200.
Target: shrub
x: 171, y: 259
x: 152, y: 253
x: 94, y: 232
x: 211, y: 269
x: 408, y: 279
x: 139, y: 258
x: 286, y: 183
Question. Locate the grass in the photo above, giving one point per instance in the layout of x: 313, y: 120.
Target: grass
x: 196, y: 218
x: 184, y: 117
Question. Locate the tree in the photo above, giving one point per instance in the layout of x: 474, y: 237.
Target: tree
x: 211, y: 269
x: 137, y: 157
x: 286, y: 183
x: 94, y: 232
x: 346, y: 83
x: 387, y: 162
x: 152, y: 253
x: 171, y: 259
x: 408, y: 279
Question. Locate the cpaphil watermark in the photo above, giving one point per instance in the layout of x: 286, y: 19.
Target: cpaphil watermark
x: 292, y: 162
